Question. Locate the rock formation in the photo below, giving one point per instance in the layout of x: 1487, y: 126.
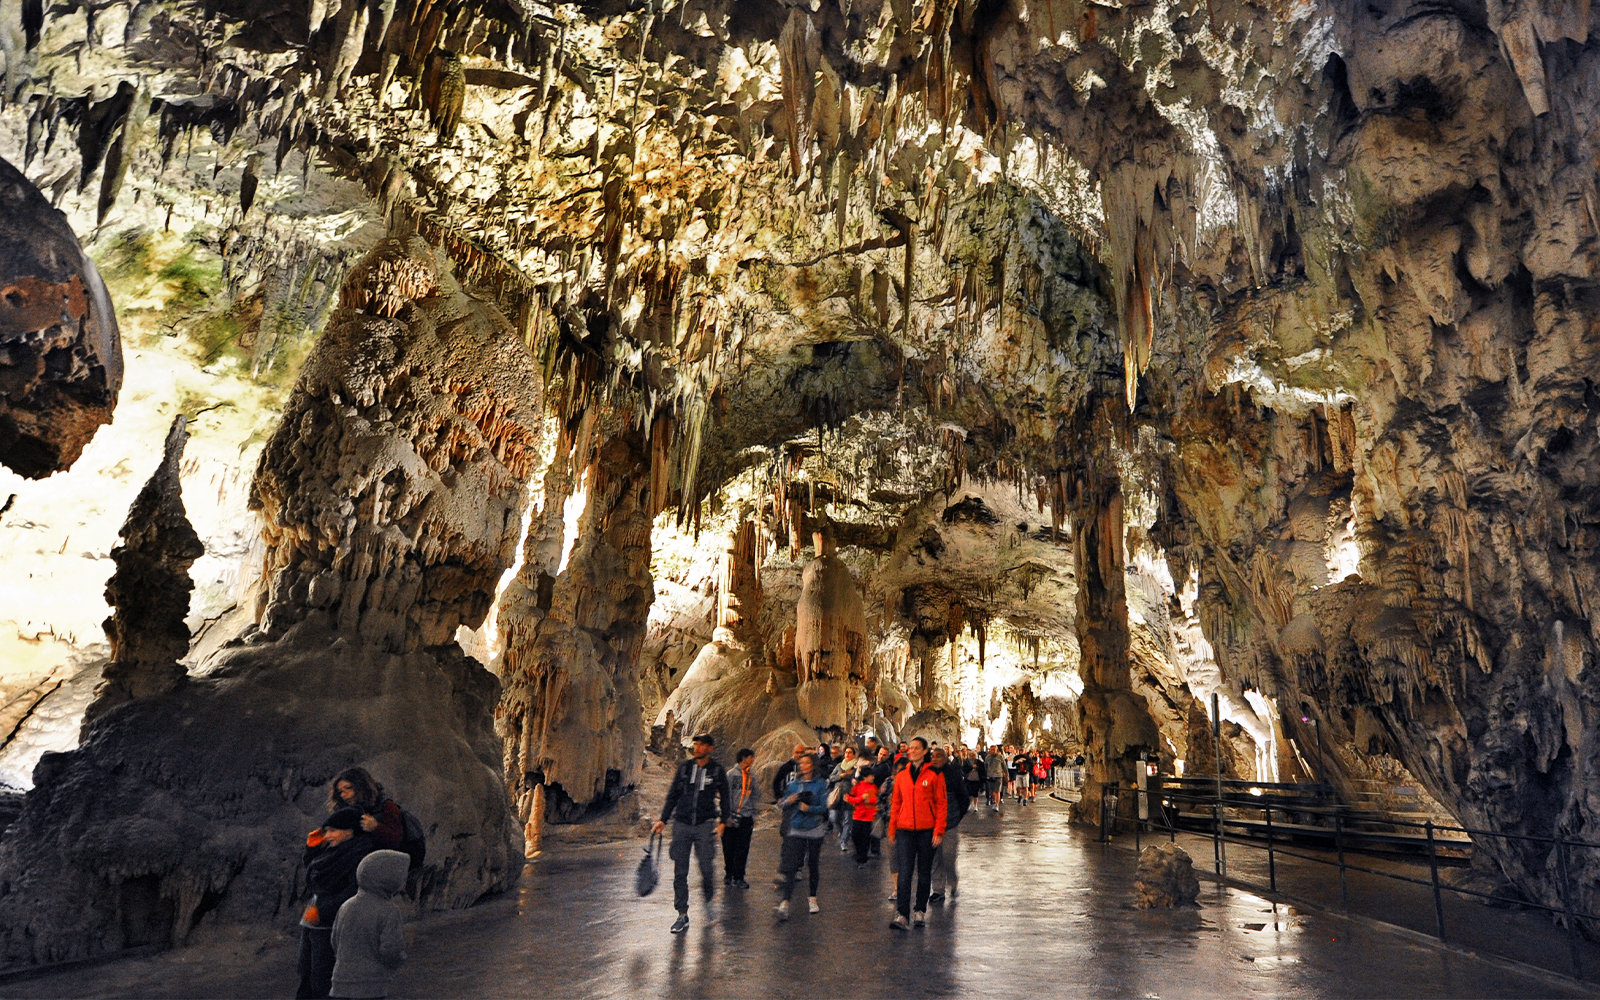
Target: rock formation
x: 830, y: 643
x: 570, y: 716
x: 60, y: 352
x: 150, y: 589
x: 1132, y: 355
x: 391, y: 495
x: 1165, y: 878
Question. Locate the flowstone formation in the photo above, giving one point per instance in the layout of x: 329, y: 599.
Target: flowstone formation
x: 60, y: 352
x: 392, y: 498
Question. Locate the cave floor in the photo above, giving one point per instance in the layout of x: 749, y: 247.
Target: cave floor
x: 1043, y: 911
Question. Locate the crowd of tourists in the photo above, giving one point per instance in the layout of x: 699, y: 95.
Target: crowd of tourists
x: 906, y: 802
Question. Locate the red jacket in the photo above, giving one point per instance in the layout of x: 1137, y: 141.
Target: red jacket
x: 391, y: 827
x: 865, y: 798
x: 918, y: 803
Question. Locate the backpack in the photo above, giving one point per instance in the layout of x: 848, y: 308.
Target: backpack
x: 413, y: 839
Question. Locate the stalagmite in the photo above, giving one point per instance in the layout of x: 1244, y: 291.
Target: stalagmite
x: 390, y: 497
x: 150, y: 589
x: 831, y: 654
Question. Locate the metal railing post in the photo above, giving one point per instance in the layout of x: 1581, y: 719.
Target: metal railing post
x: 1433, y: 872
x: 1220, y: 852
x: 1216, y: 836
x: 1566, y: 906
x: 1272, y: 862
x: 1338, y: 843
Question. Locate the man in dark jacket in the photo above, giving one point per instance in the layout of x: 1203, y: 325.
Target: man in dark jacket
x: 697, y: 804
x: 957, y: 803
x: 780, y: 780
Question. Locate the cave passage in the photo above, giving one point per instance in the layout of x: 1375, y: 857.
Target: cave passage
x: 497, y: 396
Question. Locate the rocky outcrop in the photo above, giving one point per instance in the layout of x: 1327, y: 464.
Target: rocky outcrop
x: 149, y: 592
x: 392, y: 495
x: 392, y: 490
x: 60, y: 351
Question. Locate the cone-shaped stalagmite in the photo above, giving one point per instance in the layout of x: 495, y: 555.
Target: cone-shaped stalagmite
x: 150, y: 590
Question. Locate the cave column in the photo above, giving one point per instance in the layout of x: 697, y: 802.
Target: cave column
x: 570, y: 714
x: 1114, y: 720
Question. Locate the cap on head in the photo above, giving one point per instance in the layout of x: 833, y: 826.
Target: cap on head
x: 343, y: 819
x: 707, y: 739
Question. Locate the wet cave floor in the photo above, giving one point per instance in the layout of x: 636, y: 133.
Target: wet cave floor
x: 1043, y: 911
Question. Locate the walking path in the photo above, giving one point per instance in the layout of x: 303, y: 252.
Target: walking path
x: 1043, y: 912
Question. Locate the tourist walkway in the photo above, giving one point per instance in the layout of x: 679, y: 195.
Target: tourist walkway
x: 1043, y: 912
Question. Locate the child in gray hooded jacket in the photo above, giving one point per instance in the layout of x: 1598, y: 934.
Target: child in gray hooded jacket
x: 368, y: 942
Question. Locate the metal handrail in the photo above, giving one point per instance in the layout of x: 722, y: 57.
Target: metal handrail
x: 1165, y: 794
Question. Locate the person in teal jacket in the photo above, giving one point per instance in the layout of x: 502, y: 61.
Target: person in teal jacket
x: 805, y: 810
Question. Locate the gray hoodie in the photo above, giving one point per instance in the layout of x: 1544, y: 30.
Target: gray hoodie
x: 367, y: 938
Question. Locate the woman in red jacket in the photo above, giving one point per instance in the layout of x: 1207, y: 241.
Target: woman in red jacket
x: 917, y: 809
x: 355, y: 789
x: 864, y: 796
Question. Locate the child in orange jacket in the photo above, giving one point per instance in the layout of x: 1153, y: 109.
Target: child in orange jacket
x: 864, y: 796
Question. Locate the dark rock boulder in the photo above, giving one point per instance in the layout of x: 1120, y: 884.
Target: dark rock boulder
x: 60, y: 352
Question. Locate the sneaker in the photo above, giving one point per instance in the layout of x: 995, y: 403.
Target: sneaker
x: 861, y: 866
x: 783, y: 910
x: 681, y: 924
x: 919, y: 919
x: 741, y: 883
x: 812, y: 903
x: 899, y: 923
x: 952, y: 892
x: 843, y: 848
x: 935, y: 897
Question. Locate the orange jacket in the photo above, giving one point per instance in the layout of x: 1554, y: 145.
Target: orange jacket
x: 918, y: 803
x: 865, y: 798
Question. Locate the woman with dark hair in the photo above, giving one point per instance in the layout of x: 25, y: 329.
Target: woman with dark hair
x: 805, y: 807
x: 355, y: 789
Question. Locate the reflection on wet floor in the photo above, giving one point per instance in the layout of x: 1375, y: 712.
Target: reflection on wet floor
x: 1042, y: 912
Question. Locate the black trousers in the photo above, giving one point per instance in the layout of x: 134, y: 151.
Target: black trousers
x: 316, y: 963
x: 702, y: 840
x: 914, y: 850
x: 861, y: 833
x: 798, y: 850
x: 736, y: 847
